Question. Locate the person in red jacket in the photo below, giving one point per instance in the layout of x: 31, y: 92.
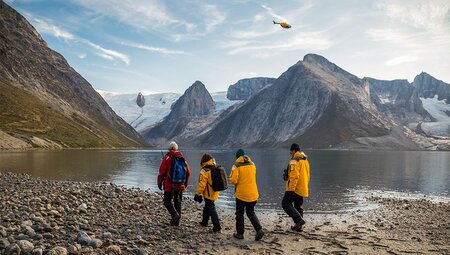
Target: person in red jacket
x: 172, y: 190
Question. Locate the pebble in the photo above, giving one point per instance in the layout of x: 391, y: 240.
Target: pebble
x: 83, y: 238
x: 73, y: 250
x: 95, y: 243
x: 83, y: 208
x: 37, y: 251
x: 58, y: 250
x: 13, y: 249
x: 26, y: 246
x: 4, y: 243
x: 29, y: 231
x: 114, y: 249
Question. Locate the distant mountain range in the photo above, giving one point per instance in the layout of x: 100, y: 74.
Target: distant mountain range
x: 319, y: 105
x: 44, y: 102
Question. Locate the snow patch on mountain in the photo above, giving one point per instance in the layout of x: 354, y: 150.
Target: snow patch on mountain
x: 222, y: 102
x: 157, y: 106
x: 440, y: 110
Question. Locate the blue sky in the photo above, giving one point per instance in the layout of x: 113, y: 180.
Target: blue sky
x: 164, y: 46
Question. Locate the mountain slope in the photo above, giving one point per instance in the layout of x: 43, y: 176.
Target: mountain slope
x: 189, y: 113
x: 314, y: 102
x: 246, y: 88
x: 51, y: 100
x: 428, y: 87
x: 397, y: 99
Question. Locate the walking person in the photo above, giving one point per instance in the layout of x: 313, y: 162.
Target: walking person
x: 243, y: 177
x: 297, y: 181
x: 173, y: 177
x: 205, y: 188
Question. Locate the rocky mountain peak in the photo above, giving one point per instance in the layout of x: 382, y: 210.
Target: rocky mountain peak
x: 246, y: 88
x: 196, y: 101
x: 44, y: 97
x: 317, y: 59
x: 314, y: 61
x: 192, y: 108
x: 428, y: 87
x: 140, y: 100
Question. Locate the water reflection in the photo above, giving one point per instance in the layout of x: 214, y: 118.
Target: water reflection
x: 335, y: 175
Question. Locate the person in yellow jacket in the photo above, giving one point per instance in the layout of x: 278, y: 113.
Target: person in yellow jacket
x: 243, y: 177
x: 296, y: 186
x: 204, y: 188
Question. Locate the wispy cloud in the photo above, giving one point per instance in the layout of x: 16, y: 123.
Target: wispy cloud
x: 50, y: 29
x: 82, y: 55
x: 271, y: 12
x: 144, y: 15
x: 107, y: 53
x: 47, y: 27
x: 250, y: 34
x: 429, y: 15
x: 155, y: 49
x: 314, y: 41
x: 215, y: 17
x: 396, y: 36
x: 401, y: 60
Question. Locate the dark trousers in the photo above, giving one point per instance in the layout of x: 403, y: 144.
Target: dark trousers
x: 210, y: 211
x: 175, y: 207
x: 292, y: 205
x: 248, y: 207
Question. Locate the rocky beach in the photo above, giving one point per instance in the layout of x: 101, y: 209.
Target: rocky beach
x: 64, y: 217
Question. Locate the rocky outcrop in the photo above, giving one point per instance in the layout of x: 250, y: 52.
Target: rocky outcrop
x: 42, y: 96
x: 314, y: 102
x: 195, y: 102
x: 398, y: 100
x: 428, y: 87
x: 246, y: 88
x: 189, y: 114
x: 140, y: 100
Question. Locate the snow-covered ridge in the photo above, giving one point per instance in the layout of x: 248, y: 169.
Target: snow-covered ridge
x: 440, y: 110
x: 157, y: 106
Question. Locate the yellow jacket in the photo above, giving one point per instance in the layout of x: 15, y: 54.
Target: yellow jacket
x: 205, y: 182
x: 298, y: 177
x: 243, y: 177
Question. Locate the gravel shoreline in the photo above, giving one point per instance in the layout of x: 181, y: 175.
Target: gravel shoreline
x: 64, y: 217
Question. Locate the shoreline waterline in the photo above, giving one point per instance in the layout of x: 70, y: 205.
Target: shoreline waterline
x: 49, y: 215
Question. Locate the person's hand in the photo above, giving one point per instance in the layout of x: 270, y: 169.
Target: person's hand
x: 160, y: 186
x: 198, y: 198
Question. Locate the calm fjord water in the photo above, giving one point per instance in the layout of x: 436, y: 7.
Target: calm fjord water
x: 338, y: 178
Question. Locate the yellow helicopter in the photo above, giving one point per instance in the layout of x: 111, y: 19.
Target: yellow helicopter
x: 283, y: 24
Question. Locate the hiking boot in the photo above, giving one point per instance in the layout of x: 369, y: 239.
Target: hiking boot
x: 238, y: 236
x: 298, y: 226
x: 203, y: 224
x: 300, y: 230
x: 213, y: 230
x: 175, y: 220
x: 259, y: 235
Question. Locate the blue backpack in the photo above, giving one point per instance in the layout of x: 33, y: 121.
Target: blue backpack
x: 178, y: 171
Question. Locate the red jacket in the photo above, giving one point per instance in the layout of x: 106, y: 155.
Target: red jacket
x: 164, y: 169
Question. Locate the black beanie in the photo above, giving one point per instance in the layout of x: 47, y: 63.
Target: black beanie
x: 239, y: 153
x: 295, y: 147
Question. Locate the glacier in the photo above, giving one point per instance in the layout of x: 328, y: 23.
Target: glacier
x: 157, y: 106
x: 439, y: 110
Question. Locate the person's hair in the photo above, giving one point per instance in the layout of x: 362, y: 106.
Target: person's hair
x: 173, y: 146
x: 295, y: 147
x: 205, y: 158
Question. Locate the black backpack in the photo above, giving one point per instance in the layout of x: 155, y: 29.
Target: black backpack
x: 219, y: 178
